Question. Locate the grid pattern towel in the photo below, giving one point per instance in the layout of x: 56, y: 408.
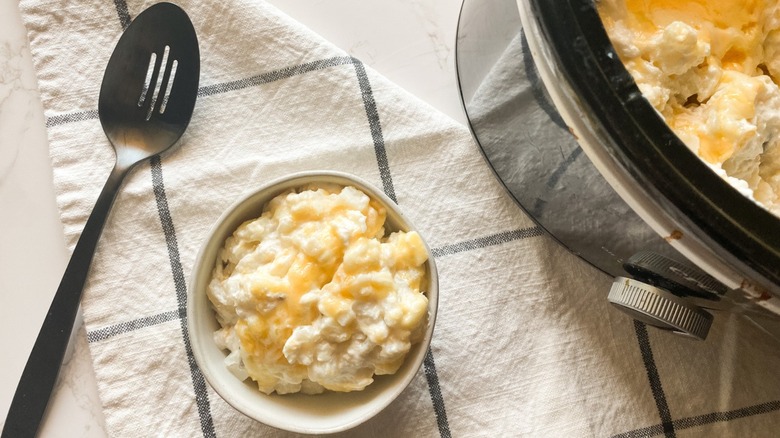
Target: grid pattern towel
x: 525, y: 342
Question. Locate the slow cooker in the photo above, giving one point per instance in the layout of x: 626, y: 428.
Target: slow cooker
x: 566, y: 130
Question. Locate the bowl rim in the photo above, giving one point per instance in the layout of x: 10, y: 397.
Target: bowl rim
x: 269, y: 190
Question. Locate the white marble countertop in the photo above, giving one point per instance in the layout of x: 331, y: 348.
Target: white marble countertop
x: 411, y: 42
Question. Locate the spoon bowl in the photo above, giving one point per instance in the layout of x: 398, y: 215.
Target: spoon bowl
x: 146, y: 101
x: 150, y: 85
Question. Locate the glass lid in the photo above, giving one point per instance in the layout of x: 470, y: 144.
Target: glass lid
x: 531, y: 150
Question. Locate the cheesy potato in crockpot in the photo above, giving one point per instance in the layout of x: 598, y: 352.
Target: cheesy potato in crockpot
x: 710, y: 68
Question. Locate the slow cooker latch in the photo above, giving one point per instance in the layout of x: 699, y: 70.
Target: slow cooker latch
x: 681, y: 279
x: 667, y: 293
x: 660, y: 308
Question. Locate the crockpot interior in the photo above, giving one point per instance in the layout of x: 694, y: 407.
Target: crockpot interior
x: 740, y: 232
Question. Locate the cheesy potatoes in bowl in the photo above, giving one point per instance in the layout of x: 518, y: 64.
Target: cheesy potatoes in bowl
x: 312, y: 303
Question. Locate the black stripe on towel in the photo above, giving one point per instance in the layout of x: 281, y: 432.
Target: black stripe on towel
x: 436, y: 397
x: 715, y: 417
x: 376, y: 129
x: 131, y: 326
x: 654, y: 379
x: 123, y: 13
x: 702, y: 420
x: 272, y: 76
x: 63, y: 119
x: 166, y: 221
x: 482, y: 242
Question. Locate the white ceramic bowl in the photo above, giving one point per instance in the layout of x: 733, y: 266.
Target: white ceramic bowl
x: 314, y: 414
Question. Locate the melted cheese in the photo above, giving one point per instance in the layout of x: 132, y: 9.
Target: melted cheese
x: 312, y: 295
x: 709, y: 67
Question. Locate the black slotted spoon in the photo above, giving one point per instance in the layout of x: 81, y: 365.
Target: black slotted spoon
x: 146, y: 101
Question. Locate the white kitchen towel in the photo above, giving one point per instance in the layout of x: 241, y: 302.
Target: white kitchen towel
x: 525, y: 342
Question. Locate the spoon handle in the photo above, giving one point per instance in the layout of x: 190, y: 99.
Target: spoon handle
x: 43, y: 366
